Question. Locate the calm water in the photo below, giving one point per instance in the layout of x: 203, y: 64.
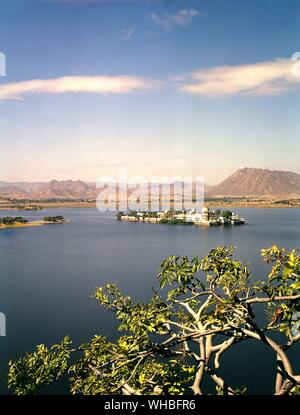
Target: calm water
x: 48, y: 274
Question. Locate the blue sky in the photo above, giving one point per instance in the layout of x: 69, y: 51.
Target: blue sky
x: 162, y: 87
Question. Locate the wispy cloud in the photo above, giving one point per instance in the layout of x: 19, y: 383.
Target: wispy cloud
x: 122, y: 84
x: 265, y: 78
x: 182, y: 18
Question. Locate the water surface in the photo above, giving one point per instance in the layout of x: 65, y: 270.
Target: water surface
x: 49, y: 273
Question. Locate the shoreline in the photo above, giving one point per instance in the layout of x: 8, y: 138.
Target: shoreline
x: 218, y: 202
x: 32, y: 224
x: 208, y: 204
x: 23, y: 225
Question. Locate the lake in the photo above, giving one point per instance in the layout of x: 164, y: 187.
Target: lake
x: 49, y: 273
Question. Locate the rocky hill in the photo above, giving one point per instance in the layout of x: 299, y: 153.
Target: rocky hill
x: 254, y: 182
x: 53, y: 189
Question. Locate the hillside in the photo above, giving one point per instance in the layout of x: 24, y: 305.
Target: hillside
x: 53, y: 189
x: 254, y: 182
x: 64, y: 189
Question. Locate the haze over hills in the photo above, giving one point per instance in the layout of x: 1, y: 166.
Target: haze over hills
x: 249, y: 182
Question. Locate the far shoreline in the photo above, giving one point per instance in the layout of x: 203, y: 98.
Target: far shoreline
x: 216, y: 204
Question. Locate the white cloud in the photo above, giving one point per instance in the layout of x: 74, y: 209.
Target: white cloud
x: 265, y: 78
x: 182, y: 18
x: 78, y: 84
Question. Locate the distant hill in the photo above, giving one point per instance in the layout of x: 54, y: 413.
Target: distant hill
x: 248, y: 182
x: 254, y: 182
x: 53, y: 189
x: 64, y: 189
x: 70, y: 189
x: 11, y: 190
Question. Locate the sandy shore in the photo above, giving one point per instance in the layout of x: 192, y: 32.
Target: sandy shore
x: 30, y: 224
x: 23, y: 225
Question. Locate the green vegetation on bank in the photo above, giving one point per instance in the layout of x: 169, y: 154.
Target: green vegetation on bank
x: 226, y: 214
x: 174, y: 222
x: 119, y: 215
x: 12, y: 220
x: 230, y: 202
x: 175, y: 343
x: 56, y: 219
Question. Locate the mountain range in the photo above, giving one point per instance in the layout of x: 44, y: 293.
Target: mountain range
x: 245, y: 182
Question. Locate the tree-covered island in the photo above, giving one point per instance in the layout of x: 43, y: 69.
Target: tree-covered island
x: 19, y: 221
x: 12, y: 220
x: 54, y: 219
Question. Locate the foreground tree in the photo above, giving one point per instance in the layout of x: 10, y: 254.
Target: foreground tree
x: 174, y: 344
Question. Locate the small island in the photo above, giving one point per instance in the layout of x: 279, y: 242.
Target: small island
x: 207, y: 217
x: 54, y: 219
x: 19, y: 221
x: 13, y: 221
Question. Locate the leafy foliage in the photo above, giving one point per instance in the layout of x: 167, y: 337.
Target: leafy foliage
x: 11, y: 220
x: 227, y: 214
x: 174, y: 222
x: 39, y: 368
x: 175, y: 342
x: 55, y: 219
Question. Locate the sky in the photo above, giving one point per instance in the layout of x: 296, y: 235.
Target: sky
x: 161, y: 87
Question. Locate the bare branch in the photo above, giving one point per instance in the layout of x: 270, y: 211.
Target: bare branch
x: 223, y: 347
x: 269, y: 299
x: 128, y: 390
x: 220, y: 382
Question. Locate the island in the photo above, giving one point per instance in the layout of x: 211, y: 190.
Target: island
x: 13, y: 221
x: 207, y: 217
x: 54, y: 219
x: 19, y: 221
